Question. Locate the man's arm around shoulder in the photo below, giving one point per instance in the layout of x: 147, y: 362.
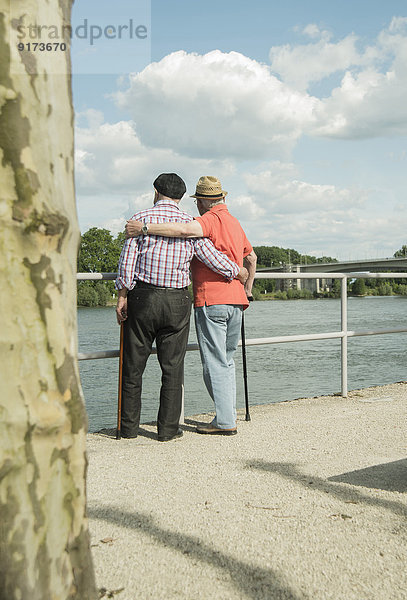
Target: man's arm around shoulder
x: 192, y: 229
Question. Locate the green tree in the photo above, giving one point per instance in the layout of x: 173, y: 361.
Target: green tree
x: 402, y: 289
x: 336, y: 289
x: 326, y: 259
x: 401, y: 253
x: 256, y: 292
x: 385, y: 289
x: 281, y: 295
x: 265, y: 285
x: 359, y: 287
x: 87, y: 294
x: 99, y: 252
x: 273, y: 256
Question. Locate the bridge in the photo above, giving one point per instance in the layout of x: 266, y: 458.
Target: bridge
x: 375, y: 265
x: 349, y: 266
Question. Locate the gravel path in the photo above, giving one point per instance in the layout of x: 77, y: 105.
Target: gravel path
x: 308, y: 501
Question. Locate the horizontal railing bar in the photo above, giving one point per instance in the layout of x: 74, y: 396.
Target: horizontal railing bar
x: 292, y: 275
x: 376, y: 275
x: 95, y: 276
x: 95, y: 355
x: 261, y: 341
x: 377, y: 332
x: 295, y: 275
x: 281, y: 339
x: 115, y: 353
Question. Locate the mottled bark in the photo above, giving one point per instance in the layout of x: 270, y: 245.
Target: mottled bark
x: 44, y: 542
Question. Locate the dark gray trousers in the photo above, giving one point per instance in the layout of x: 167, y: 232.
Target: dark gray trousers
x: 160, y: 314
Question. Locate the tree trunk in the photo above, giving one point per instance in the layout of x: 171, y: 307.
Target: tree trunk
x: 44, y: 540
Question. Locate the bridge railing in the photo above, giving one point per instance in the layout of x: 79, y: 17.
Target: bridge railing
x: 344, y: 334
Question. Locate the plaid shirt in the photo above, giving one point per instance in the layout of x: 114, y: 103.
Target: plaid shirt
x: 165, y: 261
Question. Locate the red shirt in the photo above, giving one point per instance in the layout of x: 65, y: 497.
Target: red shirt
x: 228, y: 236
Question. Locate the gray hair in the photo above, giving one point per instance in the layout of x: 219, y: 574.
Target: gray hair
x: 209, y: 203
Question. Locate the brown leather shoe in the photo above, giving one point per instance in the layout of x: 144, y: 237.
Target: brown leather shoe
x: 212, y: 430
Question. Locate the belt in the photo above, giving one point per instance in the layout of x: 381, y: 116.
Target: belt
x: 144, y: 284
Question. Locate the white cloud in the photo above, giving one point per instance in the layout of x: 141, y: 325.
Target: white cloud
x: 228, y: 105
x: 115, y: 225
x: 343, y: 234
x: 216, y: 105
x: 369, y: 104
x: 299, y: 66
x: 111, y: 158
x: 286, y: 194
x: 316, y: 219
x: 278, y: 208
x: 313, y: 31
x: 115, y: 171
x: 247, y: 208
x: 370, y: 100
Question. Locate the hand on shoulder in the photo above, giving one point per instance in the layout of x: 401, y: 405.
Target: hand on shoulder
x: 133, y: 228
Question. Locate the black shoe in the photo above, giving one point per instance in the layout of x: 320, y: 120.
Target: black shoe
x: 168, y: 438
x: 128, y: 435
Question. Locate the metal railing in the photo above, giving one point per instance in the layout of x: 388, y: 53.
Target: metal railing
x: 343, y: 334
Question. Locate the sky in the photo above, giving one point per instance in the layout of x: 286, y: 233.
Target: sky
x: 298, y: 107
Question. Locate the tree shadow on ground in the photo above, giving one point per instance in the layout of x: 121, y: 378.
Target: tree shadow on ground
x: 254, y: 582
x: 345, y: 494
x: 390, y: 476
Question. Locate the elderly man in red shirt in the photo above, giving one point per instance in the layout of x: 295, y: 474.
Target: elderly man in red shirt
x: 218, y: 305
x: 154, y: 304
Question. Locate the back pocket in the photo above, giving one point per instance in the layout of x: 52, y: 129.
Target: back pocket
x: 217, y: 313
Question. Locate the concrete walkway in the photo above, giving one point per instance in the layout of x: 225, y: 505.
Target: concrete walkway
x: 308, y: 501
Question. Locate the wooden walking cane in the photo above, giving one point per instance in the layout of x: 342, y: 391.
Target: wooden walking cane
x: 119, y: 396
x: 246, y: 391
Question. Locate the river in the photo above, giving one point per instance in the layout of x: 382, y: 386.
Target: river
x: 276, y: 372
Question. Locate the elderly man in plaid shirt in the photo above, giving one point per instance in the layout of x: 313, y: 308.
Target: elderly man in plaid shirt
x: 154, y: 304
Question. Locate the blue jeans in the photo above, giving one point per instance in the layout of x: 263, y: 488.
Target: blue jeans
x: 218, y: 331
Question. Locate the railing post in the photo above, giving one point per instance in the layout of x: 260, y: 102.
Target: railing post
x: 344, y: 339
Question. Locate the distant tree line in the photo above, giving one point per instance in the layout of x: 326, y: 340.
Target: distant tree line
x: 274, y: 256
x: 99, y: 252
x: 379, y: 287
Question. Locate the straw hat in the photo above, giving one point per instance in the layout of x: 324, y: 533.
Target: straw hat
x: 209, y: 187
